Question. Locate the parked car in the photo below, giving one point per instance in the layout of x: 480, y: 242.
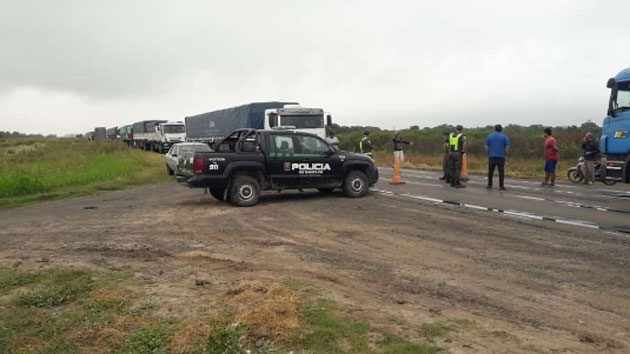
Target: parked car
x: 180, y: 154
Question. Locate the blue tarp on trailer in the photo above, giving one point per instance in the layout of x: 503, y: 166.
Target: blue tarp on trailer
x: 217, y: 124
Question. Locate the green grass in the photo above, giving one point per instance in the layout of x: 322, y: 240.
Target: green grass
x: 434, y: 330
x: 59, y: 287
x: 36, y: 170
x: 328, y: 331
x: 148, y: 340
x: 10, y: 278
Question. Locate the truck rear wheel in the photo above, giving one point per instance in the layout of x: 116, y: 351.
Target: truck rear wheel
x: 244, y: 191
x: 218, y: 194
x: 355, y: 184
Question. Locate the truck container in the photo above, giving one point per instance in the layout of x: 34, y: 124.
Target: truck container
x: 112, y: 133
x: 141, y: 132
x: 126, y: 133
x: 213, y: 126
x: 100, y: 133
x: 615, y: 141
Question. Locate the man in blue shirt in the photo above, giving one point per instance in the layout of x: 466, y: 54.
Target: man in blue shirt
x: 497, y: 145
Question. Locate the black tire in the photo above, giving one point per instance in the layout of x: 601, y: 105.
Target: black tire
x: 355, y: 184
x: 217, y: 194
x: 608, y: 182
x: 160, y: 149
x: 326, y: 190
x: 574, y: 176
x: 169, y: 171
x: 244, y: 191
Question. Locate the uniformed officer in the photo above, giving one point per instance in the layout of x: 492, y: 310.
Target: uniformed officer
x: 457, y: 144
x: 445, y: 167
x: 365, y: 145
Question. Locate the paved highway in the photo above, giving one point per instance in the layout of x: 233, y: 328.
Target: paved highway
x: 596, y: 207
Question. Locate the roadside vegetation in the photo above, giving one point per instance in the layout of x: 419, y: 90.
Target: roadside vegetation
x: 58, y: 310
x: 33, y: 170
x: 525, y: 158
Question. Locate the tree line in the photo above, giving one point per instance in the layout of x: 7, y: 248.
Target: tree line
x: 8, y: 134
x: 526, y: 141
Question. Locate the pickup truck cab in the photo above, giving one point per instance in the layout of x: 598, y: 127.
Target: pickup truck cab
x: 249, y: 161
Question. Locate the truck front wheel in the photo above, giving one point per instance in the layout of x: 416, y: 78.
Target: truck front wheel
x: 244, y: 191
x: 355, y: 184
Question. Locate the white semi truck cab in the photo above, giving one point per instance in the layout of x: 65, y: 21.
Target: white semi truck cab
x: 166, y: 135
x: 300, y: 119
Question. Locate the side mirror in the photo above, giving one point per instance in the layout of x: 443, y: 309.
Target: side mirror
x: 611, y: 83
x: 328, y: 120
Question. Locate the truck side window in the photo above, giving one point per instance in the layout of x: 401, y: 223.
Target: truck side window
x: 273, y: 120
x: 282, y: 145
x: 310, y: 145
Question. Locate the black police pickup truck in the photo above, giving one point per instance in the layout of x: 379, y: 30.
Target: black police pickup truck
x: 249, y: 161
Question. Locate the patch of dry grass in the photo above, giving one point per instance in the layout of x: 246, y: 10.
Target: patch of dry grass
x: 268, y: 311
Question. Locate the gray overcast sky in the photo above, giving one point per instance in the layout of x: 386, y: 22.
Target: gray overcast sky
x: 67, y: 66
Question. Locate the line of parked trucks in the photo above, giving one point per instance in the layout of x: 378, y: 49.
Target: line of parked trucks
x: 211, y: 127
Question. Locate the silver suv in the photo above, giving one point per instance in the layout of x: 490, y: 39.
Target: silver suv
x: 181, y: 154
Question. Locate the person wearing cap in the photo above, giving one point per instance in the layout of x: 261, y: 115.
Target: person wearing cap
x: 398, y: 147
x: 365, y: 145
x: 445, y: 167
x: 457, y: 145
x: 497, y: 145
x: 590, y: 151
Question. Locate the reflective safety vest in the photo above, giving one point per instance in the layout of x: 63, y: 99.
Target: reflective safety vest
x: 454, y: 141
x: 365, y: 151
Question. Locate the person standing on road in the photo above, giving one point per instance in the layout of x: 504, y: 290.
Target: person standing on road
x: 457, y: 144
x: 398, y: 147
x: 333, y: 140
x: 365, y: 145
x: 590, y: 150
x: 445, y: 167
x: 497, y: 145
x: 552, y: 155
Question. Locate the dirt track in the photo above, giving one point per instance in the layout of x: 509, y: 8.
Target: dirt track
x: 512, y: 285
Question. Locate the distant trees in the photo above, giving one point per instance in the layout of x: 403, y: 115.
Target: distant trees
x: 8, y: 134
x: 527, y: 141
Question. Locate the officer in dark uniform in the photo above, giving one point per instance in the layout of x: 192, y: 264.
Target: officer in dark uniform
x: 365, y: 145
x: 445, y: 166
x: 457, y: 144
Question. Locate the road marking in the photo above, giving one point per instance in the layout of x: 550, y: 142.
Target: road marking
x: 511, y: 213
x: 566, y: 203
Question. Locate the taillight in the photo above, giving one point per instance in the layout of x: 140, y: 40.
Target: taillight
x: 198, y: 164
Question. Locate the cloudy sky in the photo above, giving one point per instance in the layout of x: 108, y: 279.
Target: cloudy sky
x: 67, y: 66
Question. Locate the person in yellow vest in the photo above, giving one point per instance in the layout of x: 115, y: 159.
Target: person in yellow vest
x: 457, y: 143
x: 365, y: 145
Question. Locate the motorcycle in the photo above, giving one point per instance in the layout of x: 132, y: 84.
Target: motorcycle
x: 576, y: 173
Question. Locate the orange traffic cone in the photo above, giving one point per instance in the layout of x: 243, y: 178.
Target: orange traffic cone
x: 396, y: 179
x: 464, y: 175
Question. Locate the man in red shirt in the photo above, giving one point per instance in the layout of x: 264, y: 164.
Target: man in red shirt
x: 551, y: 159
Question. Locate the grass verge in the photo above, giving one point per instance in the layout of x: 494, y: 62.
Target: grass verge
x: 58, y: 310
x: 37, y: 170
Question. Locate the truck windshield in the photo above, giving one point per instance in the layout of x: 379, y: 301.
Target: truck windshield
x: 303, y: 121
x: 174, y: 129
x: 623, y: 96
